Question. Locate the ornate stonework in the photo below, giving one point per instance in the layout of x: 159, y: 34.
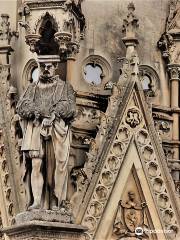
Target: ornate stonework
x: 89, y: 120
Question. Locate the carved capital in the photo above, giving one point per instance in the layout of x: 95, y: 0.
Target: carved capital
x: 67, y: 47
x: 31, y: 40
x: 174, y: 70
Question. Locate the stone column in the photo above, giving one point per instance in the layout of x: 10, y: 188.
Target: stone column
x: 70, y: 68
x: 174, y: 86
x: 174, y: 93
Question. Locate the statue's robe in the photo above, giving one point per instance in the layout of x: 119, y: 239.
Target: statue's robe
x: 53, y: 142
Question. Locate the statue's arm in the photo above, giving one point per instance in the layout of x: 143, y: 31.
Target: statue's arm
x: 25, y: 107
x: 66, y: 107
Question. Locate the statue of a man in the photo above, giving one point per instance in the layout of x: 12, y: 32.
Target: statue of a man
x: 46, y: 110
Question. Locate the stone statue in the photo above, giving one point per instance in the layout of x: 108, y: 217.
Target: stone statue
x: 46, y: 110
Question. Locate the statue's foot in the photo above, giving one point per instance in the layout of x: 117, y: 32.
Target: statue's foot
x: 54, y: 208
x: 34, y: 206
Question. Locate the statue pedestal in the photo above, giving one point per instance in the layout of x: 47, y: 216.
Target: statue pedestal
x: 41, y: 230
x: 44, y: 225
x: 60, y: 216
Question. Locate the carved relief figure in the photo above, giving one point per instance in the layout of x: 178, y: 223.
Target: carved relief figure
x: 173, y: 23
x: 130, y: 215
x: 46, y: 110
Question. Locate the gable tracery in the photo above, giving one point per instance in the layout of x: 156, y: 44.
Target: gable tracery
x: 115, y: 157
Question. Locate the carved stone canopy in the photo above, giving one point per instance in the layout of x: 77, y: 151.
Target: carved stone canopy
x: 57, y: 30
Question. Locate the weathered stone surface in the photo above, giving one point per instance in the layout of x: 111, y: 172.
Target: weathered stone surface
x: 60, y: 216
x: 37, y: 230
x: 127, y: 113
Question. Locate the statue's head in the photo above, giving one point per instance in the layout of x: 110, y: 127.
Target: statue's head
x: 131, y: 195
x: 47, y: 67
x: 47, y: 70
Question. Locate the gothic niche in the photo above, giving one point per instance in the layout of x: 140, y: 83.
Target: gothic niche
x: 45, y: 111
x: 149, y: 79
x: 47, y: 44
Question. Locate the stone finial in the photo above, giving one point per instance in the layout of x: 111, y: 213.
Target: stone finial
x: 5, y: 32
x: 130, y: 24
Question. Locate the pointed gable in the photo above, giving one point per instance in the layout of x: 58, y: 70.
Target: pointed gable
x: 132, y: 145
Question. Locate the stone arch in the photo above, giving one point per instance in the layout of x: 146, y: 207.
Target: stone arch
x: 154, y: 81
x: 42, y: 20
x: 46, y: 28
x: 29, y: 67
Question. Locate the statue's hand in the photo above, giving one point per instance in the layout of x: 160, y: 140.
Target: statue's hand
x: 47, y: 122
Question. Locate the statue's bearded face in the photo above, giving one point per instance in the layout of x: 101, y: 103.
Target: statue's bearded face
x: 47, y: 70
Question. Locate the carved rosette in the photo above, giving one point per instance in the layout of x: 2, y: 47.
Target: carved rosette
x: 133, y: 118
